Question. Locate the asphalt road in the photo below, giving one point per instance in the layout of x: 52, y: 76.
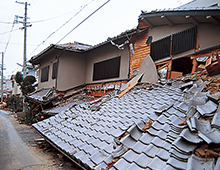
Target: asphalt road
x: 16, y: 152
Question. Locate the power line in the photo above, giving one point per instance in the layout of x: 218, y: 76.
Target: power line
x: 83, y: 20
x: 82, y: 7
x: 54, y: 17
x: 18, y: 43
x: 9, y: 31
x: 9, y: 38
x: 3, y: 22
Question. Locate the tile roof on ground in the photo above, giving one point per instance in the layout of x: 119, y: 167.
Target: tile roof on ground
x: 166, y: 125
x: 43, y: 95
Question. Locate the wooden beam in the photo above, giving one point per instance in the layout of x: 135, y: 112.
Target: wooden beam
x: 148, y: 22
x: 169, y: 69
x: 160, y: 68
x: 213, y: 20
x: 127, y: 89
x: 168, y: 20
x: 195, y: 65
x: 191, y: 19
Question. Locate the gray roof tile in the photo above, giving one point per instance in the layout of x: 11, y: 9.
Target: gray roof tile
x: 100, y: 166
x: 122, y: 164
x: 183, y: 145
x: 157, y: 163
x: 142, y: 160
x: 94, y: 137
x: 179, y: 156
x: 136, y: 167
x: 98, y: 157
x: 197, y: 163
x: 176, y: 163
x: 146, y: 138
x: 120, y: 150
x: 216, y: 120
x: 151, y: 150
x: 168, y: 167
x: 163, y: 154
x: 190, y: 137
x: 130, y: 156
x: 135, y: 133
x: 139, y: 147
x: 207, y: 109
x: 128, y: 141
x: 211, y: 137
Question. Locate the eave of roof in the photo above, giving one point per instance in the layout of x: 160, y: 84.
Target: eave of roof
x: 178, y: 16
x: 198, y: 11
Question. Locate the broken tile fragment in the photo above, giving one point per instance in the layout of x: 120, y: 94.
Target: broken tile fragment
x: 197, y: 163
x: 190, y: 137
x: 183, y: 145
x: 216, y: 120
x: 213, y: 136
x: 207, y: 109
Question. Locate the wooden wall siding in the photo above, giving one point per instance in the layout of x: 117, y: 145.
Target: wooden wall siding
x: 141, y: 50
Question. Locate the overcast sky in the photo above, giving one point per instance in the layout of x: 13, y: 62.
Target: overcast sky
x: 52, y: 19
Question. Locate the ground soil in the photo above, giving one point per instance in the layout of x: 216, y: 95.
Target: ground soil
x: 19, y: 152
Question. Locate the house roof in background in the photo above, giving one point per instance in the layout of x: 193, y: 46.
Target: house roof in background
x: 168, y: 125
x: 80, y: 47
x: 201, y: 3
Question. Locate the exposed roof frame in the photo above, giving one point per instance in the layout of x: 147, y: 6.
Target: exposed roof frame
x: 213, y: 20
x: 168, y: 20
x: 191, y: 18
x: 148, y: 22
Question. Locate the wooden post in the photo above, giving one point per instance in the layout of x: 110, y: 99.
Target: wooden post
x: 169, y: 69
x: 195, y: 65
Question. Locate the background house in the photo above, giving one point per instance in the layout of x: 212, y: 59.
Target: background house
x: 74, y: 65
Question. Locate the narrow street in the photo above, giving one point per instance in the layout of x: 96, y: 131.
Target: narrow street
x: 16, y: 148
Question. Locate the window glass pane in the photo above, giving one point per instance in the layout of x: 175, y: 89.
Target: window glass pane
x: 54, y: 73
x: 107, y: 69
x: 44, y: 74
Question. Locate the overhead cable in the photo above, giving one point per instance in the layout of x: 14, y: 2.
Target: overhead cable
x: 3, y: 22
x: 9, y: 37
x: 82, y: 7
x: 9, y: 31
x: 83, y: 21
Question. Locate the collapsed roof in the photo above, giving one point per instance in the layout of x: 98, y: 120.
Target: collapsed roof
x: 166, y: 125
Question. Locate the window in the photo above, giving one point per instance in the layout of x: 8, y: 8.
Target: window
x: 54, y: 73
x: 181, y: 42
x: 184, y: 41
x: 107, y: 69
x: 160, y: 49
x: 44, y: 74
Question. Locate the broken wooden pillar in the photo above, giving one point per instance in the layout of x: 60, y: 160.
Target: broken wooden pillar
x: 169, y: 69
x: 195, y: 65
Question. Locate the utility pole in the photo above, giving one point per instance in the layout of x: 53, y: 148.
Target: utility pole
x: 2, y: 78
x: 24, y: 70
